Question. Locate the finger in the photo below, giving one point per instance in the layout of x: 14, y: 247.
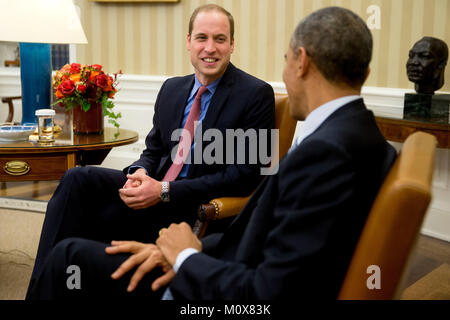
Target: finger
x: 135, y: 184
x: 127, y: 192
x: 161, y: 231
x: 131, y: 201
x: 141, y: 271
x: 123, y: 247
x: 163, y: 280
x: 127, y: 265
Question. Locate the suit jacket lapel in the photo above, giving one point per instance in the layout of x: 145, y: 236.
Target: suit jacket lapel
x: 178, y: 107
x: 220, y: 97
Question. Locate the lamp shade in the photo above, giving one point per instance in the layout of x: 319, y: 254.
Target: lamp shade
x: 40, y: 21
x: 36, y: 24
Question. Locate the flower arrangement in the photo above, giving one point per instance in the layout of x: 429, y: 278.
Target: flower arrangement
x: 79, y: 85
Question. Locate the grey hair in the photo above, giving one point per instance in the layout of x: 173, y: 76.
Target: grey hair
x: 338, y: 42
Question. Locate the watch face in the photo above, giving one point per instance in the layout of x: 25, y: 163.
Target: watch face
x: 165, y: 196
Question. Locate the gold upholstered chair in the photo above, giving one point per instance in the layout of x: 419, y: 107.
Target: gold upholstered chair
x: 393, y: 223
x: 225, y: 207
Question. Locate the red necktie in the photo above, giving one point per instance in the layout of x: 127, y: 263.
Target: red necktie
x: 187, y: 137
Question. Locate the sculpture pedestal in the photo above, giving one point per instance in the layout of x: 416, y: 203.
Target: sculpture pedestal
x: 427, y: 107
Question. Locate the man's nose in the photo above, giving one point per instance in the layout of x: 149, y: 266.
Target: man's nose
x: 413, y: 60
x: 210, y: 46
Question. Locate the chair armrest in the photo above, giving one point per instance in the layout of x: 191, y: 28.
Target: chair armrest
x: 9, y: 101
x: 221, y: 208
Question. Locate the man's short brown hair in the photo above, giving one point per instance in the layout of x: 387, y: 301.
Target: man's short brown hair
x: 211, y: 7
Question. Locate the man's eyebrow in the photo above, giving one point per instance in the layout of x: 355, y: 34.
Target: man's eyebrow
x: 202, y: 34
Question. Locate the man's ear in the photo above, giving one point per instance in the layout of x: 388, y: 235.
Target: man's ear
x: 188, y: 42
x: 440, y: 68
x: 232, y: 45
x: 302, y: 62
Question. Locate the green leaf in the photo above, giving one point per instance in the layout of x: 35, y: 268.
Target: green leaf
x: 86, y: 106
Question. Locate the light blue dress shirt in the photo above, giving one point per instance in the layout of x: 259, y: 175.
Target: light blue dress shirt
x: 206, y: 99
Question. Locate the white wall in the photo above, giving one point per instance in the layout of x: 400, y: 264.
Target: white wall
x: 137, y: 95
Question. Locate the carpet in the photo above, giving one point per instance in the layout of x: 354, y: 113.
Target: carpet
x: 19, y: 239
x: 434, y: 286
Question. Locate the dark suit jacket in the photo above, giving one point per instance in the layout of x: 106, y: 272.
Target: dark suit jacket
x: 240, y: 101
x: 296, y: 235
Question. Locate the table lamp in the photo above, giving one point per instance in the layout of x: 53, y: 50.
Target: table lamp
x: 35, y: 24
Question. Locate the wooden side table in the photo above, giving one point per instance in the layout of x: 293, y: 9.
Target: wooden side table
x: 398, y: 130
x: 29, y: 161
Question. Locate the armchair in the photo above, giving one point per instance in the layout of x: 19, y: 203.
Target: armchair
x: 225, y: 207
x: 9, y: 101
x: 393, y: 222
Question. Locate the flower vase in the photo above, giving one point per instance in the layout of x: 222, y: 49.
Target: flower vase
x: 88, y: 122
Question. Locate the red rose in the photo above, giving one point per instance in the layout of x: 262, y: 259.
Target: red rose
x: 101, y: 81
x: 67, y: 87
x: 75, y: 68
x: 81, y: 88
x: 97, y: 67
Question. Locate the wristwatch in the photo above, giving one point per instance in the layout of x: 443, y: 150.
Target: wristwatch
x: 165, y: 191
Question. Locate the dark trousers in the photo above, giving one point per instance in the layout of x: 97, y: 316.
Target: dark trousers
x: 87, y: 205
x: 80, y: 268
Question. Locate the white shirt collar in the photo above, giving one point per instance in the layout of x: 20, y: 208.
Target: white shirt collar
x: 319, y: 115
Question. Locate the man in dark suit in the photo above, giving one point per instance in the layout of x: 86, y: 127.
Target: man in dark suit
x: 105, y: 204
x: 296, y: 235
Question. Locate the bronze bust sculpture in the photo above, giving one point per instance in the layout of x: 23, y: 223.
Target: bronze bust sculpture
x: 426, y: 64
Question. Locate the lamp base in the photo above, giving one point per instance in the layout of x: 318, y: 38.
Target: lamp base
x: 35, y: 76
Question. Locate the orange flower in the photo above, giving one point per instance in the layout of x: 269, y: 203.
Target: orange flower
x: 109, y: 84
x: 112, y: 93
x: 65, y: 68
x: 93, y: 75
x: 75, y: 77
x: 59, y: 94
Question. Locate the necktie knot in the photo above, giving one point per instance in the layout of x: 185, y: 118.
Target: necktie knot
x: 201, y: 91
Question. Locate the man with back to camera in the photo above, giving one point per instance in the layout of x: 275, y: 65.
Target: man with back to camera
x: 295, y: 237
x: 105, y: 204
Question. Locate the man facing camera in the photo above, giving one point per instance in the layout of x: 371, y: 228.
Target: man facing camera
x: 296, y: 235
x: 158, y: 189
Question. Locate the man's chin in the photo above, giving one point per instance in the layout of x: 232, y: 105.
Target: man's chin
x: 212, y: 72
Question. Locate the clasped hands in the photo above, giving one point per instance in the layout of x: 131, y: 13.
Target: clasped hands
x: 146, y: 257
x: 140, y: 191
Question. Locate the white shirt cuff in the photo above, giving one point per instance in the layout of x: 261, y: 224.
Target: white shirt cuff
x: 182, y: 256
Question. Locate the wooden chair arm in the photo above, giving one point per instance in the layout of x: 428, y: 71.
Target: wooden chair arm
x: 221, y: 208
x: 9, y: 101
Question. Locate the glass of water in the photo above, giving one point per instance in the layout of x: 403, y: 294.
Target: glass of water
x: 45, y: 125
